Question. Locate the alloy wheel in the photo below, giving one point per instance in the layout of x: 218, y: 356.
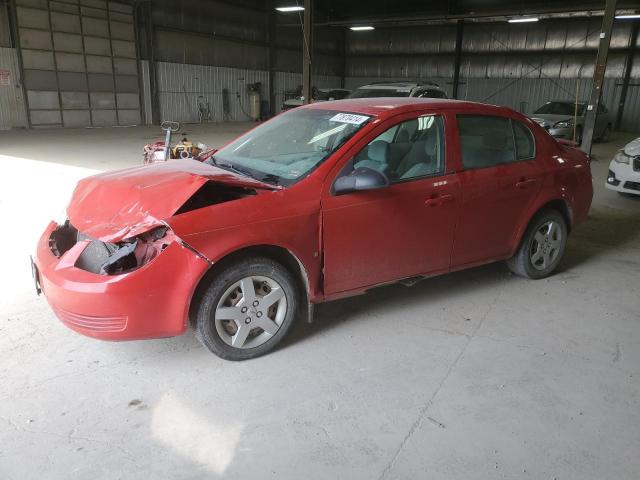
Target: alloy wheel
x: 250, y: 312
x: 546, y: 245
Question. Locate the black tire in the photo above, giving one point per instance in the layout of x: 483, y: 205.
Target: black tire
x: 206, y: 331
x: 521, y: 263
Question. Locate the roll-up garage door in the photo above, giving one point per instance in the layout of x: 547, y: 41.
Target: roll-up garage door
x: 79, y: 63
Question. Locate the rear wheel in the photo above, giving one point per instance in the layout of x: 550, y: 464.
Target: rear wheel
x: 247, y: 309
x: 542, y: 247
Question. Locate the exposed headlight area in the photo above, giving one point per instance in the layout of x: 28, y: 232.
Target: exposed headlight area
x: 106, y: 258
x: 63, y: 238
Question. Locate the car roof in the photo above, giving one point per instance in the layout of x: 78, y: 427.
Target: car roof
x: 379, y: 106
x: 387, y: 85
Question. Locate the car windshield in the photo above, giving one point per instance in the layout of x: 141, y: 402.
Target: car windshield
x: 379, y: 92
x: 287, y: 148
x: 560, y: 108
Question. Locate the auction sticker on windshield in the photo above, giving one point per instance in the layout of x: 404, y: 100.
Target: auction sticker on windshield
x: 349, y: 118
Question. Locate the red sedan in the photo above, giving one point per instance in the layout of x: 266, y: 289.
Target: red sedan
x: 322, y: 202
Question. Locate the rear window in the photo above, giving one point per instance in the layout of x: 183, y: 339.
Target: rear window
x: 525, y: 146
x: 487, y: 141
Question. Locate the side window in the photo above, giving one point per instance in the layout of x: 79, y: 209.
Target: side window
x: 525, y: 145
x: 389, y: 135
x: 415, y: 149
x: 485, y: 141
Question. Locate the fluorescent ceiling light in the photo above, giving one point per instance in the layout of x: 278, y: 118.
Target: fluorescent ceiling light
x: 628, y: 16
x: 362, y: 29
x: 523, y: 19
x: 294, y: 8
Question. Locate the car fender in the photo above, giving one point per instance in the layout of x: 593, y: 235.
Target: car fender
x: 298, y: 236
x: 546, y: 197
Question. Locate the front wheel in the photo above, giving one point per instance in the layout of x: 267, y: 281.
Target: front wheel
x: 247, y: 309
x: 542, y: 247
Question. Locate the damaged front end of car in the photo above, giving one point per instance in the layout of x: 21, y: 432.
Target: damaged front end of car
x: 116, y: 268
x: 110, y: 258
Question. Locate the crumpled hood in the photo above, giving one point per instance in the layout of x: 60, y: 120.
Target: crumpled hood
x: 117, y: 205
x: 632, y: 148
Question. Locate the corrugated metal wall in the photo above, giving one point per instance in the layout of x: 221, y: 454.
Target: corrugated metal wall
x: 12, y: 112
x: 146, y: 91
x: 517, y: 65
x: 203, y: 47
x: 182, y: 86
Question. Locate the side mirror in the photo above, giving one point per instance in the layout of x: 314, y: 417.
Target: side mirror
x: 360, y: 179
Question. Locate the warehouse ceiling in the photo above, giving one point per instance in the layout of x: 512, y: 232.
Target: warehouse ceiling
x: 383, y: 9
x: 336, y: 12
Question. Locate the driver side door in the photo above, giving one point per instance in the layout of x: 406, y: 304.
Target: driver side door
x: 402, y: 230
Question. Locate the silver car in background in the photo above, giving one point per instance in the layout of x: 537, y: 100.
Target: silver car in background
x: 418, y: 89
x: 565, y: 119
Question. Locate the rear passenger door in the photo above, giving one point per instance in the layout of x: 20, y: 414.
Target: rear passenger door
x: 500, y: 179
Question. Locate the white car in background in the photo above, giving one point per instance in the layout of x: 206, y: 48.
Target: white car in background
x: 624, y: 170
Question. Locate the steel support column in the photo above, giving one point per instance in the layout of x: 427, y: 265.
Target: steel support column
x: 153, y: 78
x: 343, y: 72
x: 598, y: 75
x: 14, y: 35
x: 627, y: 72
x: 458, y: 58
x: 307, y: 50
x: 271, y: 29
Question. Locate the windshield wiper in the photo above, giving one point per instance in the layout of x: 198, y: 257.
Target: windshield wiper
x: 233, y: 168
x: 271, y: 178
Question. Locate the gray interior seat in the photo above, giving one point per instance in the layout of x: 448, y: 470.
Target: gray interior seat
x: 422, y: 155
x: 494, y: 149
x: 377, y: 157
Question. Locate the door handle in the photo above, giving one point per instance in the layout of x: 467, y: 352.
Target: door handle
x: 438, y: 200
x: 526, y: 182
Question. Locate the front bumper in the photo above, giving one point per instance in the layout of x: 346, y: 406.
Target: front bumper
x: 623, y: 178
x: 150, y: 302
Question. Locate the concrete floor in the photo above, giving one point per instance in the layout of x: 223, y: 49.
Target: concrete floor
x: 473, y: 375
